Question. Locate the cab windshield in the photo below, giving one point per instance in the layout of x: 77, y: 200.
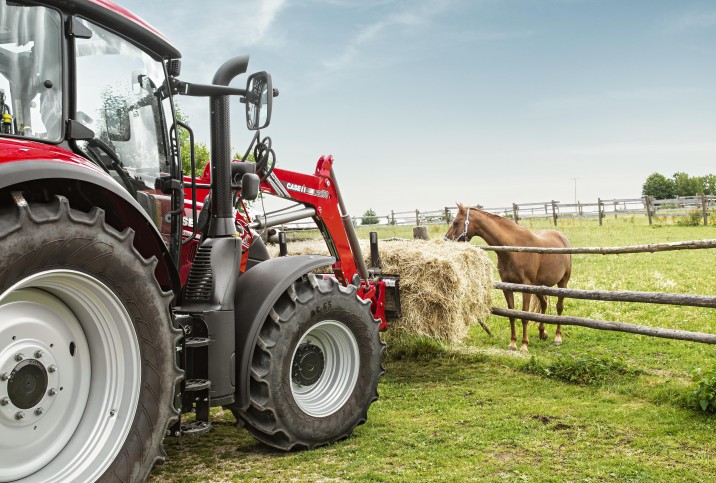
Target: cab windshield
x: 30, y: 72
x: 120, y: 97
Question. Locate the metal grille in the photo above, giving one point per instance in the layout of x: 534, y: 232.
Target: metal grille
x: 201, y: 279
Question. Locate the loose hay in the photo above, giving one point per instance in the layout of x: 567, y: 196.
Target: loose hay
x: 444, y: 286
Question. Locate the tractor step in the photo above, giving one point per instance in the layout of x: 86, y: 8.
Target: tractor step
x: 196, y: 385
x: 195, y: 428
x: 194, y: 342
x: 193, y: 358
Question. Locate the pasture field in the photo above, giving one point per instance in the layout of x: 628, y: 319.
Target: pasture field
x: 480, y: 412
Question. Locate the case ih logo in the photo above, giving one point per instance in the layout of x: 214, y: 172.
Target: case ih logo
x: 309, y: 191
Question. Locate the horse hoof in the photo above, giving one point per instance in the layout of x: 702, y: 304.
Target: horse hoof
x: 524, y: 349
x: 557, y: 341
x: 512, y: 348
x: 543, y: 337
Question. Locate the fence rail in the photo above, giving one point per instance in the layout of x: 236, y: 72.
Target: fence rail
x: 699, y: 207
x: 606, y: 325
x: 650, y: 248
x: 687, y: 300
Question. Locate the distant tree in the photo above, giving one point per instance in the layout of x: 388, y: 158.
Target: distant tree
x: 685, y: 185
x: 201, y: 151
x: 369, y: 218
x: 709, y: 182
x: 658, y: 186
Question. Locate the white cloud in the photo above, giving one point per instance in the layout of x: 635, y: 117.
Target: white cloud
x: 691, y: 21
x: 264, y: 19
x: 414, y: 17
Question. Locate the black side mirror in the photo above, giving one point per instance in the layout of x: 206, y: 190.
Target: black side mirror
x: 250, y: 186
x: 259, y: 97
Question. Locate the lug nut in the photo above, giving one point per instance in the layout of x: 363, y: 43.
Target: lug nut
x: 52, y: 368
x: 19, y: 415
x: 38, y: 354
x: 4, y: 376
x: 39, y: 411
x: 52, y: 391
x: 20, y: 357
x: 4, y: 401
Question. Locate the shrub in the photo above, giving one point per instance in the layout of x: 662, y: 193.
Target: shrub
x: 704, y: 395
x: 692, y: 219
x: 369, y: 218
x: 580, y: 370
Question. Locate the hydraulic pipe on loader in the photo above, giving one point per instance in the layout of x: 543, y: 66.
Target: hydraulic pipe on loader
x: 281, y: 218
x: 351, y: 232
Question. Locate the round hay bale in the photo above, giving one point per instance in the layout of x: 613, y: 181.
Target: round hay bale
x: 444, y: 286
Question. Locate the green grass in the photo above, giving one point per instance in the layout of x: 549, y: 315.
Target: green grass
x: 603, y: 406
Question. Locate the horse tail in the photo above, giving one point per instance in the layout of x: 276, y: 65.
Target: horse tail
x: 535, y: 305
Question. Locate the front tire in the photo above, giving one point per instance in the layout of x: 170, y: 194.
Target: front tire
x: 315, y: 367
x: 87, y: 371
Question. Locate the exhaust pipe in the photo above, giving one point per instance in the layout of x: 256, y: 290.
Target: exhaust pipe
x: 222, y: 221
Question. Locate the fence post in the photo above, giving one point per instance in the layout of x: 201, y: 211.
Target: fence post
x: 392, y: 217
x: 599, y: 210
x: 647, y: 205
x: 554, y: 212
x: 579, y: 208
x: 420, y: 233
x: 417, y: 218
x: 515, y: 211
x: 447, y: 215
x: 704, y: 209
x: 615, y: 209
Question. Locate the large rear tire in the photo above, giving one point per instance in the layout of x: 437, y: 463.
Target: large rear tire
x: 87, y: 370
x: 315, y: 367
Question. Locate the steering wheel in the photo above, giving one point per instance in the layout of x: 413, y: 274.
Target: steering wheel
x: 265, y: 158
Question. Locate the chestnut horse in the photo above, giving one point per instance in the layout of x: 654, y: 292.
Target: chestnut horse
x: 518, y: 267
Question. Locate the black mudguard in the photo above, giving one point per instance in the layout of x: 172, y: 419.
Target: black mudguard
x: 256, y: 293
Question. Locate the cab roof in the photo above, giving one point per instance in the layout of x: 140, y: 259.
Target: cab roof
x: 122, y: 21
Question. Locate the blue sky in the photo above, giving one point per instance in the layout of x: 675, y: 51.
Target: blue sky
x: 425, y: 103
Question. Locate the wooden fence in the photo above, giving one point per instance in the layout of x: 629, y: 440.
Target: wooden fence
x: 700, y: 207
x: 611, y: 296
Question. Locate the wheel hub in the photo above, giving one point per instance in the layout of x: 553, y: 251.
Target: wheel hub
x: 325, y: 368
x: 28, y: 388
x: 27, y: 384
x: 308, y: 365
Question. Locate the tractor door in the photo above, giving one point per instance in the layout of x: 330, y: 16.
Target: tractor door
x: 122, y: 97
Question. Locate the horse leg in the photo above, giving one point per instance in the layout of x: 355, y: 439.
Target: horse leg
x: 510, y: 298
x: 525, y: 307
x: 543, y: 310
x: 558, y: 333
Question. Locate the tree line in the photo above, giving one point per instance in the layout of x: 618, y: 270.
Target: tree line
x: 202, y: 155
x: 680, y: 184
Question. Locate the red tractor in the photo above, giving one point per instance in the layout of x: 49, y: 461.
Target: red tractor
x: 131, y: 294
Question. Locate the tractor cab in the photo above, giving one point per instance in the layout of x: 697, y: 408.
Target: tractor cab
x: 96, y: 80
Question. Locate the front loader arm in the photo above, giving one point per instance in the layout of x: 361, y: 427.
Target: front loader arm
x: 320, y: 192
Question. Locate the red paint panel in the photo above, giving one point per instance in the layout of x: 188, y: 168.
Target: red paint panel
x: 12, y: 150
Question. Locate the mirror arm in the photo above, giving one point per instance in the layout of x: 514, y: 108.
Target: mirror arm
x: 206, y: 90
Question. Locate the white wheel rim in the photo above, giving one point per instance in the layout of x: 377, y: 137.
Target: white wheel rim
x: 76, y: 330
x: 341, y: 365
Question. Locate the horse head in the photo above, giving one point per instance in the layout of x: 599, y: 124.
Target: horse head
x: 460, y: 225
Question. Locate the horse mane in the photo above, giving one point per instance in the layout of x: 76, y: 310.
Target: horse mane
x: 493, y: 215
